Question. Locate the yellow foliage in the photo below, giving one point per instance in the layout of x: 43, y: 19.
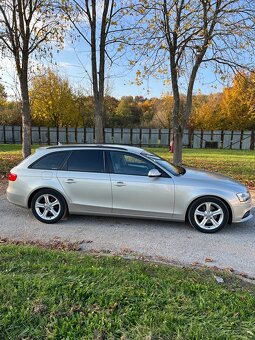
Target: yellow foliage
x: 52, y: 101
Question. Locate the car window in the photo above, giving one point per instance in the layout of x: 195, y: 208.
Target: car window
x: 86, y: 161
x: 52, y: 161
x: 127, y: 164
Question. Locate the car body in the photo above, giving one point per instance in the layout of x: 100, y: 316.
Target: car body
x: 125, y: 181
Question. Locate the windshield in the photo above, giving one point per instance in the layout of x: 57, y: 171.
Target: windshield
x: 176, y: 170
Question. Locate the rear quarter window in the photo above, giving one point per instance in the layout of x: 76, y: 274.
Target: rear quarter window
x: 51, y: 161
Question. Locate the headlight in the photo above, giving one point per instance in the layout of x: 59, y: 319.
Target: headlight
x: 244, y: 196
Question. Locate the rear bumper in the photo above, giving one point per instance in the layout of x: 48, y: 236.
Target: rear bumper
x: 16, y: 199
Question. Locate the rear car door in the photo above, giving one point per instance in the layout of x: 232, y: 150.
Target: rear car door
x: 85, y: 181
x: 134, y: 192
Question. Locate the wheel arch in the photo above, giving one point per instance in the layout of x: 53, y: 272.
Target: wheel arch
x: 45, y: 188
x: 213, y: 196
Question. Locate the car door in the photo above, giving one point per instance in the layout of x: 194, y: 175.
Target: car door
x: 86, y: 182
x: 134, y: 192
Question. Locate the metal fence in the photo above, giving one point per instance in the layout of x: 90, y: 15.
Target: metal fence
x: 141, y: 137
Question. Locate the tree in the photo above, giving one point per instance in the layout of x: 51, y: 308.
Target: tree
x: 85, y: 107
x: 3, y: 96
x: 97, y: 23
x: 181, y: 35
x: 206, y: 113
x: 110, y: 108
x: 25, y: 25
x: 52, y: 101
x: 238, y: 102
x: 128, y: 113
x: 147, y: 106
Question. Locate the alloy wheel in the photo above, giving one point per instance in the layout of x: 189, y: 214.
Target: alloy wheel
x: 47, y: 206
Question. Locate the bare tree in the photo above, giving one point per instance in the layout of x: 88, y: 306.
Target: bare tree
x: 182, y: 35
x: 25, y: 25
x: 98, y: 25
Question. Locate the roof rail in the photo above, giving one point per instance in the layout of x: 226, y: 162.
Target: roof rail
x: 106, y: 146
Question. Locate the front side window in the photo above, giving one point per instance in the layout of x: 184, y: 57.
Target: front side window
x: 128, y: 164
x: 175, y: 169
x: 86, y: 161
x: 52, y: 161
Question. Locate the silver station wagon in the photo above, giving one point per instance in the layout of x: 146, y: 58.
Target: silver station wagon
x: 124, y: 181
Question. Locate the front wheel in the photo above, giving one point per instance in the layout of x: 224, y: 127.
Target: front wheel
x: 208, y: 214
x: 48, y: 206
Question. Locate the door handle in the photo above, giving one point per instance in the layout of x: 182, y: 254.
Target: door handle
x: 120, y: 184
x: 70, y: 181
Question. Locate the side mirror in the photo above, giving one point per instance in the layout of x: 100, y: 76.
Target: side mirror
x: 154, y: 173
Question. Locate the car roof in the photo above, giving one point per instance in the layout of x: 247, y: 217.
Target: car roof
x: 89, y: 146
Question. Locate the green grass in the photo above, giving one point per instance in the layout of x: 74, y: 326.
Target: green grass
x: 239, y: 164
x: 68, y: 295
x: 10, y: 155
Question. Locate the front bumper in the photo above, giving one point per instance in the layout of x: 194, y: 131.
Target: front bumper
x: 241, y: 211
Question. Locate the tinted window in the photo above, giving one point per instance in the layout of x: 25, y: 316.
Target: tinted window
x: 86, y: 161
x: 52, y: 161
x: 128, y: 164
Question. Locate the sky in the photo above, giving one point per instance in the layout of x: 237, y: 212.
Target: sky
x: 73, y: 63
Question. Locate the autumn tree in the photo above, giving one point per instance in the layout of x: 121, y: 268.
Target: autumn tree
x: 128, y: 113
x: 206, y: 113
x: 148, y: 108
x: 181, y: 36
x: 3, y: 95
x: 110, y: 108
x: 85, y: 108
x: 53, y: 102
x: 238, y: 102
x: 25, y: 27
x: 98, y: 24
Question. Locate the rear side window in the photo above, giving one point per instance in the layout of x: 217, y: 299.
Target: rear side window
x: 52, y: 161
x: 86, y: 161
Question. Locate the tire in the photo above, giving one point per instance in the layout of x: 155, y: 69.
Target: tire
x: 208, y: 214
x: 48, y: 206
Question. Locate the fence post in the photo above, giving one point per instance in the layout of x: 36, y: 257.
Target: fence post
x: 252, y: 140
x: 4, y: 134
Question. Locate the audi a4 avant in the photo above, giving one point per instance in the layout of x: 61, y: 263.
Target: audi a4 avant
x: 124, y: 181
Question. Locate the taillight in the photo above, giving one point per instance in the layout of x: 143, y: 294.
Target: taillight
x: 12, y: 177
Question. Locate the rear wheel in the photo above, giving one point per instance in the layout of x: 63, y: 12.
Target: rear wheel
x: 208, y: 214
x: 48, y: 206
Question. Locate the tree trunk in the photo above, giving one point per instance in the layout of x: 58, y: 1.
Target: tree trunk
x: 177, y: 130
x: 99, y: 126
x: 26, y: 118
x: 178, y: 135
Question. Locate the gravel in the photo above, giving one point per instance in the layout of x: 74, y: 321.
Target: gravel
x: 233, y: 247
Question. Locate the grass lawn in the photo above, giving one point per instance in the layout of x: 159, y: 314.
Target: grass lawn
x: 239, y: 164
x: 69, y: 295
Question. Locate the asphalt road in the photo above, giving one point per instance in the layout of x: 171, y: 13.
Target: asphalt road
x: 233, y: 247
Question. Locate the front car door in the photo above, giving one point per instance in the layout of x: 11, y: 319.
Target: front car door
x: 136, y: 194
x: 86, y: 182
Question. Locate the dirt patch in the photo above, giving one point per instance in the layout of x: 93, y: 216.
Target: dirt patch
x: 3, y: 185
